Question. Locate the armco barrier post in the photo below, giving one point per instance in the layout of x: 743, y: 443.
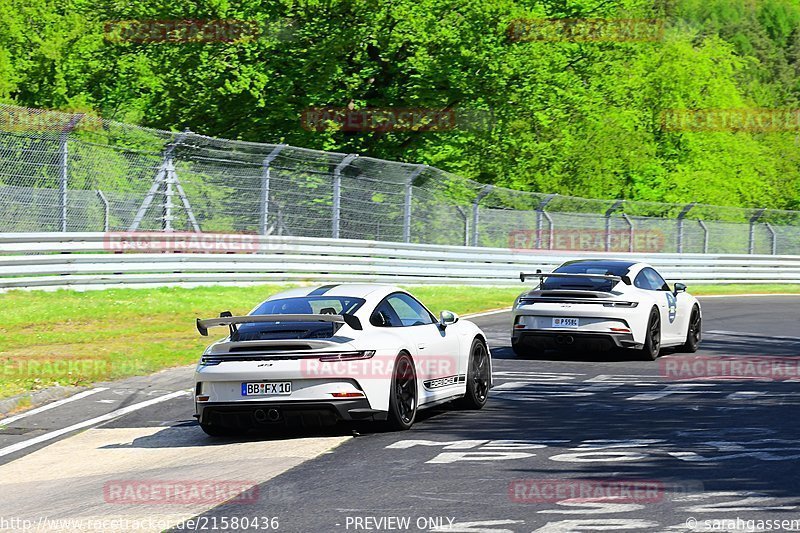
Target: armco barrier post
x: 681, y: 216
x: 481, y: 195
x: 63, y: 166
x: 407, y: 202
x: 337, y: 194
x: 263, y: 222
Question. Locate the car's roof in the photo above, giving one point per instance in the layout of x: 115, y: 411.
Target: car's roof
x: 353, y: 290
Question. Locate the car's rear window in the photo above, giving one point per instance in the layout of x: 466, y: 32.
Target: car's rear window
x: 305, y: 305
x: 590, y: 284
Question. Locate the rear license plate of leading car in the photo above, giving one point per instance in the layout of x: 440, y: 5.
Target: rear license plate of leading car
x: 565, y: 322
x: 275, y: 388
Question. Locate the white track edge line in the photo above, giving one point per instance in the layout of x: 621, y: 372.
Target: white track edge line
x: 51, y: 405
x: 91, y: 422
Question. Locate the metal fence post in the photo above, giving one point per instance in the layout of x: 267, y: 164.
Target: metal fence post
x: 630, y: 231
x: 610, y: 210
x: 63, y: 166
x: 465, y: 218
x: 337, y: 194
x: 752, y: 241
x: 407, y: 202
x: 705, y: 235
x: 481, y: 195
x: 263, y: 222
x: 681, y: 216
x: 106, y: 209
x: 774, y: 238
x: 539, y: 212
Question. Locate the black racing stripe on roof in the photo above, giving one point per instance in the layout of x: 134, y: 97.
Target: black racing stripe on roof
x: 322, y: 290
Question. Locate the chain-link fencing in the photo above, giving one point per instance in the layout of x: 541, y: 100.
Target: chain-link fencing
x: 73, y: 172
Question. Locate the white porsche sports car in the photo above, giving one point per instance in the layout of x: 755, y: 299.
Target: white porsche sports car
x: 338, y: 352
x: 603, y: 304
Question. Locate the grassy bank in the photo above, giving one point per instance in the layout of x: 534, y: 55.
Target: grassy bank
x: 98, y: 335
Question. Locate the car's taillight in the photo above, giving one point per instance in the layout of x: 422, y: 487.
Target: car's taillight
x: 620, y: 304
x: 620, y: 330
x: 348, y: 356
x: 347, y: 394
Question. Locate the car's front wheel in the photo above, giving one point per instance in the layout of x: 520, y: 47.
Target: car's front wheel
x: 478, y: 376
x: 652, y: 342
x: 403, y: 394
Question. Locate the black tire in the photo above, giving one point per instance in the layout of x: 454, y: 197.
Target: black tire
x: 652, y: 342
x: 478, y: 376
x: 694, y: 332
x: 403, y: 396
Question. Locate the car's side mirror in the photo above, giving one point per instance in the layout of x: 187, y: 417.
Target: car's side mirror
x: 446, y: 318
x: 680, y: 287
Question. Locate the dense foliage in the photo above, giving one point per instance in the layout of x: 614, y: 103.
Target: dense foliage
x: 568, y: 116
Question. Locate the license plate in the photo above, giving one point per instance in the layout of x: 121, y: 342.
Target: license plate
x: 565, y: 322
x: 275, y: 388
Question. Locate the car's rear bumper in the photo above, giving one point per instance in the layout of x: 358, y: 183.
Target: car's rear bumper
x: 255, y: 414
x: 573, y: 340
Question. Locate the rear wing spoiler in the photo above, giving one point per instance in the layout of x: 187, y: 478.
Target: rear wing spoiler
x: 225, y: 319
x: 624, y: 279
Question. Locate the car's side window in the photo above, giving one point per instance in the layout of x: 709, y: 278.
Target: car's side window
x: 650, y: 280
x: 642, y: 282
x: 656, y: 281
x: 400, y: 310
x: 384, y: 316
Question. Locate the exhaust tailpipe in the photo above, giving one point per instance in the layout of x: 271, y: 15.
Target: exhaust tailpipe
x: 569, y: 339
x: 260, y: 415
x: 273, y: 415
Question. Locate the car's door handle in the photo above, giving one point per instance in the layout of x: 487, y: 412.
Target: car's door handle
x: 421, y: 346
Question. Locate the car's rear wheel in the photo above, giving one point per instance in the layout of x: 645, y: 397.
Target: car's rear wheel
x: 478, y: 377
x: 403, y: 394
x: 694, y: 332
x: 652, y: 341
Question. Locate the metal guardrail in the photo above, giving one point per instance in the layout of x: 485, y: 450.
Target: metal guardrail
x: 81, y: 260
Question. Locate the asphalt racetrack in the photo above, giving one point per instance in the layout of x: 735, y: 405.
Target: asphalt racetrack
x: 575, y: 442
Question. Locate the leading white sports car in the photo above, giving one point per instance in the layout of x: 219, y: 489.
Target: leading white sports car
x: 603, y: 304
x: 338, y: 352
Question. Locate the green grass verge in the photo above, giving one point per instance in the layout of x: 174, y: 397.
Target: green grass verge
x: 755, y: 288
x: 115, y: 333
x: 76, y: 338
